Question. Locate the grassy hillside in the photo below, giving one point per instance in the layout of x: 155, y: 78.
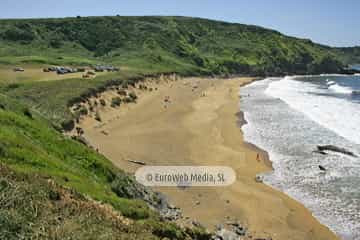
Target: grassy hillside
x: 167, y: 44
x: 35, y: 155
x: 29, y: 144
x: 147, y: 45
x: 34, y: 207
x: 52, y: 99
x: 349, y: 55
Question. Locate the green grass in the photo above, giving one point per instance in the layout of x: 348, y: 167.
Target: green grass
x: 51, y: 99
x: 149, y: 45
x: 33, y: 152
x: 31, y: 145
x: 33, y: 207
x: 164, y: 44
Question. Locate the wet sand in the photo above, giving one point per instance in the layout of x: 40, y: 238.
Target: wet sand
x: 201, y: 127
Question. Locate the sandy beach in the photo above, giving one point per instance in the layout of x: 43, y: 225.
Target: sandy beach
x: 200, y: 126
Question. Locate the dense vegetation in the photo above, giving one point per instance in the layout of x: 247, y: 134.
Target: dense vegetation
x: 168, y: 44
x: 150, y: 45
x: 349, y: 55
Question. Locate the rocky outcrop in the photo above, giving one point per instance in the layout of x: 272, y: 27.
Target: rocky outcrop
x: 322, y: 148
x: 355, y: 93
x: 128, y: 187
x: 224, y: 234
x: 235, y: 231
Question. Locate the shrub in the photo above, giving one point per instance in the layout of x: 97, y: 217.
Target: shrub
x: 77, y: 107
x: 68, y: 125
x: 13, y: 86
x: 115, y: 101
x: 128, y: 100
x: 27, y: 113
x: 131, y: 82
x: 56, y: 43
x: 16, y: 34
x: 124, y: 85
x: 3, y: 184
x: 133, y: 96
x: 122, y: 92
x: 102, y: 102
x: 198, y: 233
x: 83, y: 111
x: 97, y: 117
x: 168, y: 231
x: 2, y: 150
x: 123, y: 187
x: 54, y: 195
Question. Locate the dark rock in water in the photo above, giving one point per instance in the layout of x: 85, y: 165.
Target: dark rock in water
x: 349, y: 71
x: 322, y: 168
x: 355, y: 93
x: 320, y: 152
x: 335, y: 149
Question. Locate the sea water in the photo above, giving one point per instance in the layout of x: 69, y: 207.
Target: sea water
x: 289, y: 117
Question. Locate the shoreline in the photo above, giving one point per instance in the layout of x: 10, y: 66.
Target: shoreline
x: 241, y: 121
x: 296, y: 167
x: 263, y: 153
x: 183, y: 133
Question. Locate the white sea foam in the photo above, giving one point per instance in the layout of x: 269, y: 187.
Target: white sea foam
x: 337, y: 114
x: 290, y: 136
x: 329, y: 83
x: 340, y: 89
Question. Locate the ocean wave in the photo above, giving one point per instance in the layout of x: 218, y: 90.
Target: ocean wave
x: 336, y: 114
x: 339, y: 89
x: 289, y: 136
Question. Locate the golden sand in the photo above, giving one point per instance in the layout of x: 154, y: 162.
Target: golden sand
x: 200, y: 127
